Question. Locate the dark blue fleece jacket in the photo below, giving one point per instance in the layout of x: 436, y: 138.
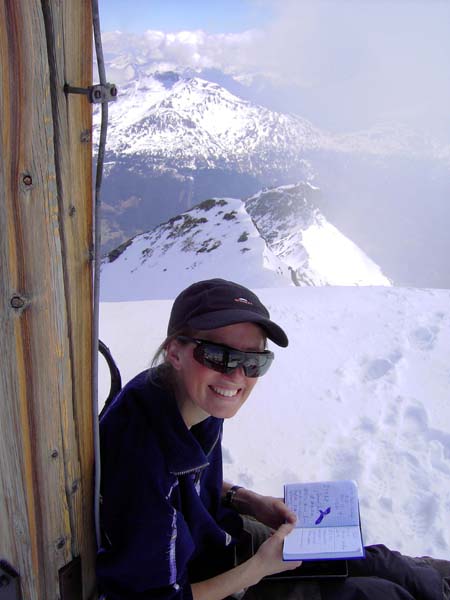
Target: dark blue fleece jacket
x: 162, y: 520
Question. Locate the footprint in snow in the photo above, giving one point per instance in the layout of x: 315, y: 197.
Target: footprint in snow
x: 424, y: 338
x: 378, y: 368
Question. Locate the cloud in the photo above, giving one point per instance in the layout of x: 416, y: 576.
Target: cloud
x: 353, y: 61
x: 376, y: 58
x: 194, y: 49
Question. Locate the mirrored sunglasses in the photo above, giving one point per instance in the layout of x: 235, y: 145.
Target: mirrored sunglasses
x: 225, y: 359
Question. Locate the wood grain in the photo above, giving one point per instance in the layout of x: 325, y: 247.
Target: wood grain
x: 46, y: 458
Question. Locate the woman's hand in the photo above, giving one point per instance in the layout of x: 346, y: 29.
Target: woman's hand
x: 269, y: 554
x: 269, y: 510
x: 266, y: 561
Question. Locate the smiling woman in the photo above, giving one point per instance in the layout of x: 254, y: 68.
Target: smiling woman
x: 172, y: 528
x: 212, y: 378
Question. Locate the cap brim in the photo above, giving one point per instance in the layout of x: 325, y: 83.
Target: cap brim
x: 222, y: 318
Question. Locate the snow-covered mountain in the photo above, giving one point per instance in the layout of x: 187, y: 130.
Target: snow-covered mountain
x: 314, y: 250
x: 199, y: 124
x: 277, y: 238
x: 176, y: 139
x: 194, y: 124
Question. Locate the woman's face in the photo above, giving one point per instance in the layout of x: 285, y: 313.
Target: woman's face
x: 202, y: 392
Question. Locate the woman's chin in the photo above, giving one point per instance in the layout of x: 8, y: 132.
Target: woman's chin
x: 225, y: 408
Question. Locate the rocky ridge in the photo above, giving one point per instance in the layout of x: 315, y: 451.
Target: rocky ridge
x: 276, y: 238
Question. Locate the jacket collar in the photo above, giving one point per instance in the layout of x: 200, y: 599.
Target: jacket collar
x: 185, y: 450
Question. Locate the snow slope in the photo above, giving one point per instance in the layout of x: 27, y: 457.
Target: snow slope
x: 361, y: 392
x: 316, y: 252
x: 274, y: 239
x: 189, y: 247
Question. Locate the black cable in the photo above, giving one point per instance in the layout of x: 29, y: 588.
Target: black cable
x: 96, y: 258
x: 116, y: 379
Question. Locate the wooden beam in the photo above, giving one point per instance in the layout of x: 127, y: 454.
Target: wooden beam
x: 46, y: 456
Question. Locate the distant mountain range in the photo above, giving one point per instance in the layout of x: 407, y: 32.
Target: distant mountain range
x: 176, y: 139
x: 276, y: 238
x: 195, y: 124
x: 192, y: 123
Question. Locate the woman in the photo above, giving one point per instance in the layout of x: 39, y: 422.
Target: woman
x: 171, y: 526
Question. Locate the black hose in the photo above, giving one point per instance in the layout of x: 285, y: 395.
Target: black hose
x: 116, y: 379
x: 96, y: 258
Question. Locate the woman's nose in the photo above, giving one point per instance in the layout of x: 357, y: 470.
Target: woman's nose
x: 236, y: 374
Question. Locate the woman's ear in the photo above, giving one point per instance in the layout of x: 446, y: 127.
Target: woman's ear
x: 173, y: 354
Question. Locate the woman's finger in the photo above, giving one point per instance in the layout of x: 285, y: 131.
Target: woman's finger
x: 284, y: 530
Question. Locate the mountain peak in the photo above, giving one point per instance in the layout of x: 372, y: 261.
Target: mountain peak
x: 276, y: 238
x: 197, y: 124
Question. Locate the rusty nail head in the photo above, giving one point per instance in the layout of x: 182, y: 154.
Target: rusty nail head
x: 27, y: 180
x: 60, y: 543
x: 85, y: 136
x: 17, y: 302
x: 54, y: 454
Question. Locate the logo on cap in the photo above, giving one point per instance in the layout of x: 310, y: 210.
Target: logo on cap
x: 243, y: 301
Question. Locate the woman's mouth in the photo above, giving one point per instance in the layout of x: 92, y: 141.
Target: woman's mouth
x: 225, y: 392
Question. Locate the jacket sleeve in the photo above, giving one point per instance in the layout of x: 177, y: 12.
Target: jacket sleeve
x: 143, y: 555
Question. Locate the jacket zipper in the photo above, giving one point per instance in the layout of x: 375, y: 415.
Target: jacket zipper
x: 193, y: 470
x: 201, y: 467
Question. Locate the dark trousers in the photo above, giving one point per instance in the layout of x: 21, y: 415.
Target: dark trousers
x: 382, y: 575
x: 387, y: 574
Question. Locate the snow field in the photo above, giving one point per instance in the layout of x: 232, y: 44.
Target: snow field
x: 362, y: 392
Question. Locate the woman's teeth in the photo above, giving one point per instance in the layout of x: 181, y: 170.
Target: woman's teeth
x: 226, y: 393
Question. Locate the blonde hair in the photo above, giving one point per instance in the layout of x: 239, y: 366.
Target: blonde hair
x: 161, y: 371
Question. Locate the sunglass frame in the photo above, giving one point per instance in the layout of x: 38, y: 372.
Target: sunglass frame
x: 239, y: 358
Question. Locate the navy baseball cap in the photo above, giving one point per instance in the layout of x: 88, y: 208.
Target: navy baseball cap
x: 217, y: 303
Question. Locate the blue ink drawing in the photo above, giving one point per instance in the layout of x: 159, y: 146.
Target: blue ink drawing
x: 322, y: 514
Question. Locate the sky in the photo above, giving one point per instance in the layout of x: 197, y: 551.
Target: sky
x: 350, y: 63
x: 176, y: 15
x: 360, y: 393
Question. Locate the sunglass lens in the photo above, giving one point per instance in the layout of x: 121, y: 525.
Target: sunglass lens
x: 255, y: 366
x: 226, y: 360
x: 211, y: 356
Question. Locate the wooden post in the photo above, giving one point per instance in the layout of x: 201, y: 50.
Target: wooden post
x: 46, y: 448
